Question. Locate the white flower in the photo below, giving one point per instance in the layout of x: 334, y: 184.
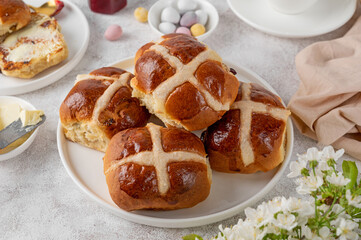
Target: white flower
x: 308, y: 184
x: 338, y: 209
x: 302, y: 157
x: 353, y: 200
x: 322, y: 166
x: 313, y: 154
x: 260, y: 216
x: 303, y: 208
x: 244, y: 230
x: 338, y: 180
x: 344, y: 229
x: 292, y: 238
x: 324, y: 234
x: 296, y: 168
x: 308, y: 233
x: 285, y: 221
x: 324, y: 208
x: 329, y: 153
x: 276, y: 204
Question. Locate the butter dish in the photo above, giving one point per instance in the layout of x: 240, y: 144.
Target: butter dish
x: 12, y: 114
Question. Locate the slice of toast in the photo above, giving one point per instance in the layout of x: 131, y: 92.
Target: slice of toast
x: 33, y: 49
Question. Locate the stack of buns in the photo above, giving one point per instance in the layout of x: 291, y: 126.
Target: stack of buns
x: 30, y: 42
x: 186, y: 85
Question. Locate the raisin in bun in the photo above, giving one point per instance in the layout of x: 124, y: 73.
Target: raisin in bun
x: 251, y: 136
x: 183, y: 82
x: 156, y: 168
x: 14, y: 15
x: 99, y: 106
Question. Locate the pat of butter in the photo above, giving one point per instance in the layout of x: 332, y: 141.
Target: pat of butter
x: 30, y: 117
x: 10, y: 112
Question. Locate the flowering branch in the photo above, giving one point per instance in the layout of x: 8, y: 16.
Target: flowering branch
x: 334, y: 212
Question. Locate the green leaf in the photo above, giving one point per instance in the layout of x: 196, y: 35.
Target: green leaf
x: 192, y: 237
x: 305, y: 172
x: 358, y: 191
x: 350, y: 171
x: 331, y: 162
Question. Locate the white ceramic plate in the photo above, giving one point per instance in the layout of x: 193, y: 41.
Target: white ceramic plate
x: 323, y: 17
x: 25, y: 105
x: 75, y: 29
x: 230, y: 193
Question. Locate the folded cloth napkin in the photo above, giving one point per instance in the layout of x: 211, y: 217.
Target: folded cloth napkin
x: 327, y: 105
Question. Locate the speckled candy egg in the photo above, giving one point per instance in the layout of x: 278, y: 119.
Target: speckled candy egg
x: 167, y: 27
x: 198, y: 29
x: 141, y: 14
x: 202, y: 16
x: 186, y: 5
x: 188, y: 19
x: 183, y: 30
x: 113, y: 32
x: 170, y: 14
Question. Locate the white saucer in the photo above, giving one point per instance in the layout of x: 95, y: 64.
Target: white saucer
x: 75, y: 29
x: 325, y: 16
x: 230, y: 193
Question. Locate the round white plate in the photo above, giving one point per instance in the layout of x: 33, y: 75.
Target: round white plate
x: 75, y: 29
x: 325, y: 16
x: 230, y: 193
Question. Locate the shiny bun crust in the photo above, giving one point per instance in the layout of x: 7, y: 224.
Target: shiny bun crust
x: 156, y: 168
x: 99, y: 106
x: 14, y: 15
x: 251, y: 136
x: 183, y: 82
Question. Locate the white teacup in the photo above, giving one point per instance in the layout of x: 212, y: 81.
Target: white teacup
x: 291, y: 6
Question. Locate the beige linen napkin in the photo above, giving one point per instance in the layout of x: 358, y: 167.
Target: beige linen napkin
x: 327, y: 105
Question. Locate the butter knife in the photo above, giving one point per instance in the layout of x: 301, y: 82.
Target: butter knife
x: 15, y: 130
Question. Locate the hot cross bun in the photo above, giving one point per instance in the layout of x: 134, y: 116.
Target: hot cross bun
x: 183, y: 82
x: 99, y: 106
x: 14, y: 15
x: 156, y: 168
x: 251, y: 136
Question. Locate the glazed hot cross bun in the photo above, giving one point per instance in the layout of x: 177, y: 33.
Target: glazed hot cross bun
x: 156, y: 168
x: 99, y: 106
x: 183, y: 82
x: 14, y: 15
x: 251, y: 136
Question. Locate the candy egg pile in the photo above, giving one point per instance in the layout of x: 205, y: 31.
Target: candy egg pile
x: 186, y: 18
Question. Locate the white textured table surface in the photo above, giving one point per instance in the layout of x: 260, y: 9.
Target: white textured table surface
x: 38, y: 200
